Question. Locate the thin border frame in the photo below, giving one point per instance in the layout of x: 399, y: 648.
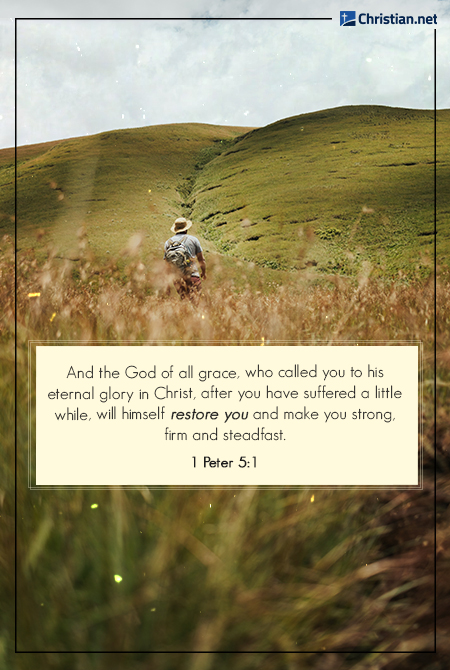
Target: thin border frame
x: 435, y: 348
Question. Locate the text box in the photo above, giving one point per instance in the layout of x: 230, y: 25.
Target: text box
x: 234, y: 415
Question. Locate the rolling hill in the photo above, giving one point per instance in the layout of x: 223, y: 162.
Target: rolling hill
x: 328, y: 192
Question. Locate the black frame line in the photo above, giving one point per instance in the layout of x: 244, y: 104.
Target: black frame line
x: 351, y: 651
x: 183, y: 18
x: 435, y: 345
x: 15, y: 336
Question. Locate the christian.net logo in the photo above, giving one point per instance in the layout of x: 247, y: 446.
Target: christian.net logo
x: 364, y: 19
x: 348, y: 19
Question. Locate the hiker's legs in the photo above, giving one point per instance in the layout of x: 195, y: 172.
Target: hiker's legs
x: 194, y: 286
x: 181, y: 288
x: 188, y: 287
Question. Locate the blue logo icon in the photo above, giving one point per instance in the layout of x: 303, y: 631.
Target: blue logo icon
x: 347, y: 18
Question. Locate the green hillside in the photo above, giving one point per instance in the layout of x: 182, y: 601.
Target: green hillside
x: 360, y: 178
x: 331, y: 192
x: 103, y: 182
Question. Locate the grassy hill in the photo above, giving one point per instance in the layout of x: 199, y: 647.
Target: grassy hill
x: 331, y: 192
x: 360, y: 178
x: 115, y: 184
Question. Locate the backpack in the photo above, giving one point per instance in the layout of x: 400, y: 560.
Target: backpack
x: 178, y: 255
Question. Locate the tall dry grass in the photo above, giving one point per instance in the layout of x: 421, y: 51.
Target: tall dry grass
x: 219, y: 571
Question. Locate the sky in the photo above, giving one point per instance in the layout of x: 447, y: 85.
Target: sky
x: 226, y: 62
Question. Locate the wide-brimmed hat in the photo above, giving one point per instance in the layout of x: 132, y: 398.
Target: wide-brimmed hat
x: 181, y: 225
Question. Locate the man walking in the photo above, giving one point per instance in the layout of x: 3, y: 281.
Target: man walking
x: 182, y: 251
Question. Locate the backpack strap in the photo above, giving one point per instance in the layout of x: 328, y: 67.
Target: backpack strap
x: 176, y: 243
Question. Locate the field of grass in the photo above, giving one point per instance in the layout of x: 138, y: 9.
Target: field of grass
x: 345, y: 572
x: 314, y: 228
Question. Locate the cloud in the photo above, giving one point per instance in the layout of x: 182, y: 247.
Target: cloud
x: 80, y: 77
x: 7, y: 120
